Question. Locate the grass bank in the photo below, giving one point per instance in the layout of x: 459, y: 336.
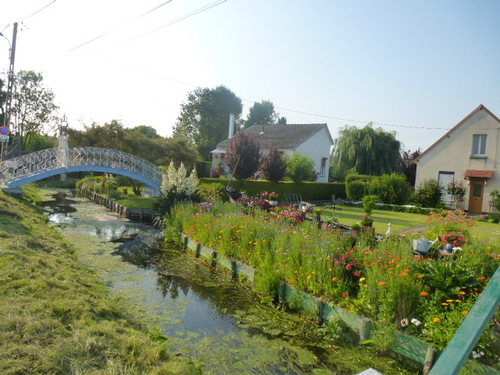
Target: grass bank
x: 56, y: 316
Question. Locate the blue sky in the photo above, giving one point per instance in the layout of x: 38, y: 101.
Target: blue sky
x: 413, y: 67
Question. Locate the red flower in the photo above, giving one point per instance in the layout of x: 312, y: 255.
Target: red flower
x: 345, y: 295
x: 348, y: 267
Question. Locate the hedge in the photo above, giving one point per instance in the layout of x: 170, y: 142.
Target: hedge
x: 310, y: 191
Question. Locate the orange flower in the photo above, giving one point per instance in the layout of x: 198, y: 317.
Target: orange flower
x: 420, y: 276
x: 403, y: 274
x: 335, y: 279
x: 465, y: 312
x: 462, y: 293
x: 424, y: 293
x: 406, y: 270
x: 482, y: 278
x: 445, y: 304
x: 382, y: 283
x: 436, y: 320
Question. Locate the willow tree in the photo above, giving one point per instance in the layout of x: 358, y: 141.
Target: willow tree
x: 364, y: 151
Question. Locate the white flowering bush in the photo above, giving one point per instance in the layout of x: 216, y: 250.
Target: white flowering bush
x: 177, y: 186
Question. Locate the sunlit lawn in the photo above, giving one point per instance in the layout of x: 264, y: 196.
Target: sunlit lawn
x: 144, y: 203
x: 400, y: 221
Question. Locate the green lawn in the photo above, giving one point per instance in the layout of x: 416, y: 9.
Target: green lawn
x: 144, y: 203
x: 400, y: 221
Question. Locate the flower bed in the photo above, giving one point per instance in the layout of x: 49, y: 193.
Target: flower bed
x: 382, y: 280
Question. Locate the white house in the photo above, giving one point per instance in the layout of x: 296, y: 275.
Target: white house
x: 313, y: 140
x: 470, y: 153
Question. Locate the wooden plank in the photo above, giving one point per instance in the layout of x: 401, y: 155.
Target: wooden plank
x: 458, y: 350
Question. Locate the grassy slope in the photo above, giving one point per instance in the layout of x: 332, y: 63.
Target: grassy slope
x: 56, y: 316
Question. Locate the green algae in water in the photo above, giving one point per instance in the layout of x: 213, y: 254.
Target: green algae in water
x: 243, y: 335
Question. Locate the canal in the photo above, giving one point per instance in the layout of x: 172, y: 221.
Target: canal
x: 217, y: 322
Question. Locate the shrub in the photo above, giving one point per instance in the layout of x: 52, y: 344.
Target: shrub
x: 356, y: 190
x: 390, y: 188
x: 369, y: 202
x: 428, y: 193
x: 273, y: 166
x: 495, y: 199
x: 300, y: 168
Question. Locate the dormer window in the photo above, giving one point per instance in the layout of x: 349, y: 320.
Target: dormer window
x: 479, y: 145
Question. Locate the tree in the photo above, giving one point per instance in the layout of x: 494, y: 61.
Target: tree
x: 179, y: 150
x: 407, y: 165
x: 300, y: 168
x: 364, y: 151
x: 243, y: 155
x: 32, y: 106
x: 204, y: 118
x: 263, y: 113
x: 273, y: 165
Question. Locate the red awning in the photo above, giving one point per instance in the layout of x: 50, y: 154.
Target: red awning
x: 478, y: 173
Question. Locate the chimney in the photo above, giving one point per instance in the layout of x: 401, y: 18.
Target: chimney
x: 231, y: 125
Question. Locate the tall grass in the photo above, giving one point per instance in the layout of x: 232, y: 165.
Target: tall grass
x: 379, y: 279
x: 56, y: 317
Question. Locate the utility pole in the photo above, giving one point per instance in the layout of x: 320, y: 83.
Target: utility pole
x: 10, y: 85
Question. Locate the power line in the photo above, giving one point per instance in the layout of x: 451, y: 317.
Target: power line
x: 119, y: 27
x: 38, y: 11
x: 199, y: 10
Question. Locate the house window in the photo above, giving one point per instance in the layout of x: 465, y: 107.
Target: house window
x: 479, y: 145
x: 322, y: 169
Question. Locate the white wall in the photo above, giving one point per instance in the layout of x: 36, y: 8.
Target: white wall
x: 318, y: 147
x: 453, y: 154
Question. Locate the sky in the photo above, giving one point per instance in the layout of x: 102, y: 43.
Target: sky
x: 415, y: 67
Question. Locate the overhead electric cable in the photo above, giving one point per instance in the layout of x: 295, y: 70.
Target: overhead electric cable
x: 119, y: 27
x: 38, y: 11
x: 199, y: 10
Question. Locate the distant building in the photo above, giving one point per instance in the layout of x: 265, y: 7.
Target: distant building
x: 470, y: 152
x: 313, y: 140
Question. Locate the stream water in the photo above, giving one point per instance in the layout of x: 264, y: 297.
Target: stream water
x: 191, y: 304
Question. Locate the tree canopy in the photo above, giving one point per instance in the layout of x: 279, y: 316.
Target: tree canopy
x: 300, y: 168
x: 142, y: 141
x: 263, y: 113
x: 273, y: 165
x: 243, y: 155
x: 364, y: 151
x: 204, y: 118
x: 33, y: 105
x: 407, y: 165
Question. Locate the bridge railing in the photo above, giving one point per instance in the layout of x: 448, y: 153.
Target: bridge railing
x: 62, y: 158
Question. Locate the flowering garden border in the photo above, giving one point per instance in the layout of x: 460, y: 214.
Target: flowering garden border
x: 404, y: 344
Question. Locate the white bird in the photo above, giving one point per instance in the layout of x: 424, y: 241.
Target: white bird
x: 389, y: 231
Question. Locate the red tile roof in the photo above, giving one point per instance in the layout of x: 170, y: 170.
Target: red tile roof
x: 478, y: 173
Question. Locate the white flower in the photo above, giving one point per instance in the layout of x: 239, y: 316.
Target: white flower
x: 416, y: 322
x: 404, y: 322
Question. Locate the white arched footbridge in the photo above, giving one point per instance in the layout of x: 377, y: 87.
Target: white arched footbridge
x: 45, y: 163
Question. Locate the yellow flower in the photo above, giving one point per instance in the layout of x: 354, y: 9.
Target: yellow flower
x: 465, y: 312
x: 362, y: 279
x: 437, y: 320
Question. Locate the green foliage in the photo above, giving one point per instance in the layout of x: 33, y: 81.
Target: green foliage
x: 263, y: 113
x: 364, y: 151
x: 211, y: 192
x: 495, y: 199
x: 407, y: 165
x: 390, y: 188
x: 428, y: 193
x: 33, y: 105
x: 369, y: 202
x: 204, y: 117
x: 37, y: 142
x: 310, y: 191
x: 357, y: 186
x: 243, y: 155
x: 300, y: 168
x: 273, y: 166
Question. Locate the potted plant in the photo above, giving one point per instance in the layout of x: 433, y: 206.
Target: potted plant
x: 356, y: 229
